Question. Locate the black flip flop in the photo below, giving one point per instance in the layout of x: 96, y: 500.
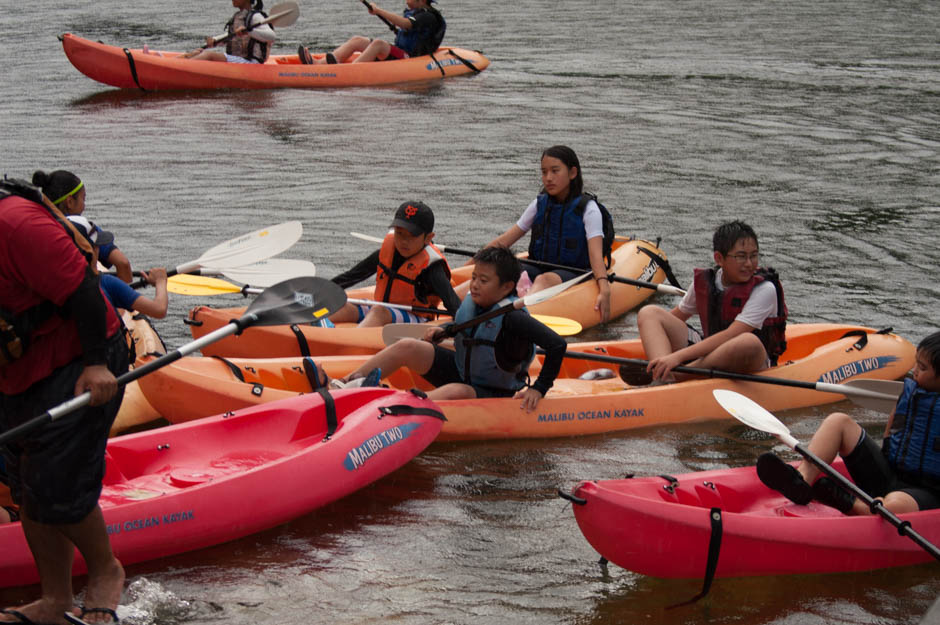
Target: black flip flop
x: 783, y: 478
x: 80, y: 620
x: 20, y: 617
x: 827, y: 492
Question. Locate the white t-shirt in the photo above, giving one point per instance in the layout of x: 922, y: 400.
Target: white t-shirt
x: 761, y: 304
x: 593, y: 222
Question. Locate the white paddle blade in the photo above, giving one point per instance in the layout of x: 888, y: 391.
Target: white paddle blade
x: 750, y: 413
x: 541, y: 296
x: 370, y: 238
x: 267, y: 272
x: 253, y: 247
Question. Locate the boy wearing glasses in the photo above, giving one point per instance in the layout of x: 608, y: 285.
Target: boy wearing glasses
x: 741, y: 308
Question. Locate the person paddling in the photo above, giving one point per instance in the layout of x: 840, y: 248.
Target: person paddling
x: 903, y: 471
x: 419, y: 31
x: 565, y: 231
x: 740, y: 305
x: 490, y: 359
x: 409, y: 270
x: 249, y: 41
x: 68, y: 192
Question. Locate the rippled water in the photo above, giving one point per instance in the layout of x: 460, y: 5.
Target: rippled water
x: 815, y: 121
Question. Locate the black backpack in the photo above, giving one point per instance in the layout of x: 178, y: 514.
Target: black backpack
x: 607, y: 220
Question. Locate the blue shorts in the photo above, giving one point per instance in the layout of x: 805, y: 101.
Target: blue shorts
x: 398, y: 315
x: 872, y: 472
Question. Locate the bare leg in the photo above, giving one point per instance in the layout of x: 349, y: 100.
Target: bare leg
x: 53, y: 554
x: 661, y: 332
x: 837, y: 435
x: 412, y: 353
x: 743, y: 353
x: 544, y: 281
x: 349, y: 313
x: 105, y: 573
x: 353, y: 44
x: 209, y: 55
x: 455, y: 390
x: 376, y: 51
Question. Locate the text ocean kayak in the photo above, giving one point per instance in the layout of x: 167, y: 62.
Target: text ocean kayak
x: 185, y: 487
x: 159, y: 70
x: 629, y: 260
x: 193, y: 387
x: 664, y: 528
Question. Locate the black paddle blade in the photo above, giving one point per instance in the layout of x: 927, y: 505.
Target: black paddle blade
x: 298, y: 300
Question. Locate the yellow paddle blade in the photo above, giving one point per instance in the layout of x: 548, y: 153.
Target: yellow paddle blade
x: 188, y: 284
x: 561, y: 325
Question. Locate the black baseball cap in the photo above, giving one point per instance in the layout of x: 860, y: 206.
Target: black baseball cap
x: 415, y: 217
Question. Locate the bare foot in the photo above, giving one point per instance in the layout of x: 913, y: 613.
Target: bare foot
x: 104, y: 591
x: 39, y: 611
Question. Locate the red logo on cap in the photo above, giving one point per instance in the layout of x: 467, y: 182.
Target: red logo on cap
x: 410, y: 211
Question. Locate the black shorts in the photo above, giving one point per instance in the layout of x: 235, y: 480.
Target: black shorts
x: 444, y: 371
x: 55, y: 472
x: 537, y: 270
x: 873, y: 474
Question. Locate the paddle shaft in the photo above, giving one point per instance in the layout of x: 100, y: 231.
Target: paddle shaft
x: 391, y: 26
x: 877, y: 507
x: 274, y: 17
x: 80, y: 401
x: 747, y: 377
x: 662, y: 288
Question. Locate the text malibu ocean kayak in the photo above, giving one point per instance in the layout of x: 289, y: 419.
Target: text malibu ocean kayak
x: 160, y: 70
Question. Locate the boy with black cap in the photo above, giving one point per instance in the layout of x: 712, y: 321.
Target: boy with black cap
x: 408, y: 270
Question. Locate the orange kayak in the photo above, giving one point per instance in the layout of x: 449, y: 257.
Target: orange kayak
x: 195, y: 387
x: 577, y: 303
x: 135, y: 409
x: 158, y: 70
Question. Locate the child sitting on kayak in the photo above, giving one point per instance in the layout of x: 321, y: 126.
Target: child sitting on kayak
x: 563, y: 232
x: 249, y: 40
x: 409, y: 270
x: 904, y: 471
x: 739, y: 304
x: 418, y: 31
x: 67, y: 192
x: 118, y: 292
x: 490, y: 359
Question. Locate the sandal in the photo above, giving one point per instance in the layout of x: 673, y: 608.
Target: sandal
x: 783, y: 478
x: 305, y: 57
x: 80, y: 620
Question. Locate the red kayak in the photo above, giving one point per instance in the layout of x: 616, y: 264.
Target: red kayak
x: 663, y: 526
x: 188, y: 486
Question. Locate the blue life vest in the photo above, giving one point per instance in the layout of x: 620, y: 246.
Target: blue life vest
x: 476, y: 351
x: 420, y: 41
x: 913, y: 447
x: 558, y: 233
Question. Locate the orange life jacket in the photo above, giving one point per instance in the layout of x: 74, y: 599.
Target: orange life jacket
x: 402, y: 287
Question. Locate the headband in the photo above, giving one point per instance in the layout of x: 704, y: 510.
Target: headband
x: 72, y: 192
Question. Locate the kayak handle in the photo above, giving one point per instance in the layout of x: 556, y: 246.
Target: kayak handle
x: 572, y: 498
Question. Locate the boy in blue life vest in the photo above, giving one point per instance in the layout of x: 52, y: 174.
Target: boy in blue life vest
x: 739, y: 304
x: 409, y: 270
x: 904, y: 471
x: 489, y: 359
x: 418, y: 31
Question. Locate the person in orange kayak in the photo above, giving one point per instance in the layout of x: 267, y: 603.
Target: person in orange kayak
x: 409, y: 270
x: 250, y: 40
x: 489, y: 359
x: 60, y: 339
x: 67, y: 192
x: 904, y: 471
x: 418, y: 31
x: 567, y: 228
x: 739, y: 304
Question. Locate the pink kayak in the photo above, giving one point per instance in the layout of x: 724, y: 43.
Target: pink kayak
x: 188, y: 486
x: 664, y: 526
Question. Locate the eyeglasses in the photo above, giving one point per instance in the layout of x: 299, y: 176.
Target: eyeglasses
x: 741, y: 258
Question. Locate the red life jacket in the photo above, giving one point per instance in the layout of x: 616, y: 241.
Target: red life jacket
x: 718, y: 309
x: 399, y: 287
